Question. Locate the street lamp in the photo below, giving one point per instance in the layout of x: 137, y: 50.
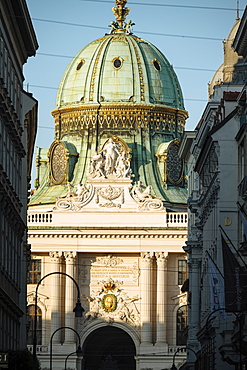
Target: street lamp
x: 240, y: 330
x: 178, y: 349
x: 78, y: 351
x: 78, y: 310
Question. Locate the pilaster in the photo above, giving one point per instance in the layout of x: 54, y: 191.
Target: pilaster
x: 56, y: 296
x: 161, y: 258
x: 146, y: 294
x: 70, y: 300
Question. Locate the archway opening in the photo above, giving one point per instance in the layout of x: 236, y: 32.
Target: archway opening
x: 109, y: 348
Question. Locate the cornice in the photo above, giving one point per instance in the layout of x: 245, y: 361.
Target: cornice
x: 36, y: 234
x: 111, y: 107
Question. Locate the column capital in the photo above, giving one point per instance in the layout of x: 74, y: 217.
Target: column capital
x: 146, y: 256
x: 55, y: 255
x: 70, y: 256
x: 161, y: 256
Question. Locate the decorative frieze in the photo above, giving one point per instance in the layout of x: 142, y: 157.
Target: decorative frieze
x: 118, y: 117
x: 45, y: 234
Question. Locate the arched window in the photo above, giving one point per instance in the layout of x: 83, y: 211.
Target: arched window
x: 182, y: 315
x: 30, y: 317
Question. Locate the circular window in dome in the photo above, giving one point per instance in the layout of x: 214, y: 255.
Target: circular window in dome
x: 80, y: 64
x: 156, y: 64
x: 117, y: 62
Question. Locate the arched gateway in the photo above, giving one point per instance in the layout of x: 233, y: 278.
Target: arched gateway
x: 109, y: 348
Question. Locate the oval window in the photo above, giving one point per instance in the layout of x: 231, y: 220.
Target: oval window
x: 79, y: 65
x: 156, y: 65
x: 117, y: 63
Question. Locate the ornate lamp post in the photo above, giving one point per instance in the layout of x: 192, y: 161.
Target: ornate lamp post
x: 240, y: 330
x: 78, y: 310
x: 79, y: 354
x: 174, y: 356
x: 78, y: 351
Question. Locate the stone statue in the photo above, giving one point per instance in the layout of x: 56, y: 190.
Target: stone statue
x: 97, y: 165
x: 128, y: 27
x: 80, y: 191
x: 112, y: 160
x: 75, y: 198
x: 95, y: 305
x: 147, y: 202
x: 114, y: 26
x: 123, y: 165
x: 111, y: 153
x: 142, y: 192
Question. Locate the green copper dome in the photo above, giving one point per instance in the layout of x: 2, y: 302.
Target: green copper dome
x: 120, y: 68
x: 119, y: 88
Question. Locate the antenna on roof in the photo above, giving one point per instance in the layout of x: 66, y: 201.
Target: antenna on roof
x: 237, y: 10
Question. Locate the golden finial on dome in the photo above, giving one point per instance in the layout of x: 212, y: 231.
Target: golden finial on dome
x: 120, y: 11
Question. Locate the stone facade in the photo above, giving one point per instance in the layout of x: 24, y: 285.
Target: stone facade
x: 18, y: 124
x: 109, y: 211
x: 123, y: 248
x: 217, y: 164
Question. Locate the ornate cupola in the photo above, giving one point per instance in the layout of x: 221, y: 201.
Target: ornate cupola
x: 120, y: 86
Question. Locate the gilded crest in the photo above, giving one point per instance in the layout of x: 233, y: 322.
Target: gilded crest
x: 109, y: 302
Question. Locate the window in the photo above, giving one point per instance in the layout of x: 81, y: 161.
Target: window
x: 80, y: 64
x: 34, y: 273
x: 182, y: 314
x: 30, y: 318
x: 117, y: 62
x: 182, y: 271
x: 156, y: 64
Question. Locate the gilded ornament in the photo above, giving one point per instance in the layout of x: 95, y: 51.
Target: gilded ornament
x: 109, y: 302
x: 120, y: 11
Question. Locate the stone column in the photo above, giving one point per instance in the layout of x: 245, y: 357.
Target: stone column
x: 194, y: 251
x: 55, y: 297
x: 161, y: 258
x: 146, y: 297
x: 70, y: 298
x: 194, y: 267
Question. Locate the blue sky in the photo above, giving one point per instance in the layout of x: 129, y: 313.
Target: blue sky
x: 188, y: 32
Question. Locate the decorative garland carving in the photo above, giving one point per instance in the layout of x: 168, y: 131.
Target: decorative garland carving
x: 109, y: 194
